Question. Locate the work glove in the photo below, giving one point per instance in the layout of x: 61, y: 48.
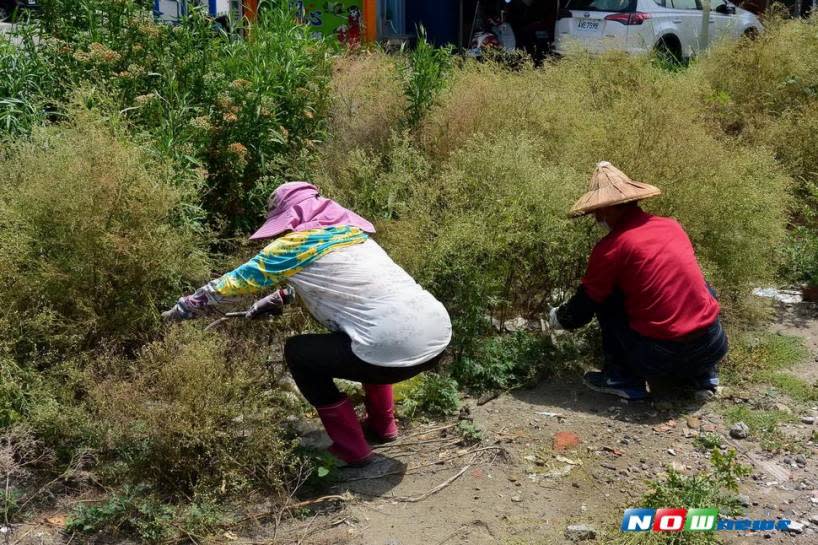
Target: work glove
x: 272, y: 305
x: 553, y: 321
x: 180, y: 311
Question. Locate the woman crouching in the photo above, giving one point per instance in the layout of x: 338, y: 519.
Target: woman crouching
x: 384, y: 327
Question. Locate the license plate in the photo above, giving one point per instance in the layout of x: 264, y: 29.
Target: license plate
x: 588, y: 25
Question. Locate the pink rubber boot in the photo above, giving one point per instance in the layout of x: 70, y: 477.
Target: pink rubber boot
x: 380, y: 411
x: 348, y: 442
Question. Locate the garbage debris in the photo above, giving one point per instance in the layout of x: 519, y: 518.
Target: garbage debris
x: 788, y: 297
x: 558, y: 416
x: 569, y: 461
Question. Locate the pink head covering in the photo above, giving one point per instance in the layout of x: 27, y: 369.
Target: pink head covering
x: 297, y: 206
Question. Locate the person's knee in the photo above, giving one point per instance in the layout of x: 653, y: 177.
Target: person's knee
x: 293, y: 352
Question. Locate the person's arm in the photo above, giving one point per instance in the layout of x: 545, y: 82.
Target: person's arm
x: 267, y: 269
x: 577, y: 312
x: 596, y: 286
x: 279, y: 260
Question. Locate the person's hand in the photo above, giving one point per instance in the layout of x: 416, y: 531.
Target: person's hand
x: 268, y: 306
x: 177, y: 314
x: 272, y: 305
x: 180, y: 311
x: 553, y: 321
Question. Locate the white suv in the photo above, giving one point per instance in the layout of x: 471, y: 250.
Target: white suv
x: 670, y: 27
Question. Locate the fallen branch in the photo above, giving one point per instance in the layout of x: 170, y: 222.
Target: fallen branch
x: 456, y: 456
x: 298, y: 505
x: 431, y: 430
x: 435, y: 490
x: 413, y: 443
x: 22, y: 537
x: 410, y: 470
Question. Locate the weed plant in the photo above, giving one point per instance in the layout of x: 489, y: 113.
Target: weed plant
x: 480, y: 215
x: 241, y: 111
x: 431, y: 394
x: 194, y: 412
x: 753, y: 356
x: 716, y: 488
x: 425, y: 76
x: 763, y: 426
x: 764, y: 94
x: 93, y: 240
x: 468, y: 172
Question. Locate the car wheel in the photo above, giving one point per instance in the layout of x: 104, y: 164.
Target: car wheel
x: 669, y: 51
x: 751, y: 33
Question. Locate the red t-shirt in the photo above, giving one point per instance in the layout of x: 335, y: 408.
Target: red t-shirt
x: 651, y: 261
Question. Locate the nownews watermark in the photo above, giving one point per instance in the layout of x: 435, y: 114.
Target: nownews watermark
x: 694, y: 520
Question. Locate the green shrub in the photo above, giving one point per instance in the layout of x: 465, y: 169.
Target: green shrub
x: 425, y: 76
x: 9, y: 502
x: 504, y: 362
x: 732, y: 200
x: 135, y: 511
x: 16, y: 384
x: 242, y: 111
x: 766, y: 92
x: 716, y: 488
x: 270, y: 109
x: 431, y: 394
x: 766, y: 76
x: 127, y: 513
x: 470, y: 433
x: 713, y: 489
x: 194, y: 412
x: 380, y: 186
x: 800, y: 255
x: 708, y: 441
x: 25, y: 80
x: 501, y: 236
x: 368, y: 102
x: 473, y: 203
x: 91, y: 241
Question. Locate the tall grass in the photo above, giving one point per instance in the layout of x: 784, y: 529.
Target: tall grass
x: 765, y: 93
x: 242, y: 111
x: 425, y: 76
x: 504, y: 154
x: 92, y: 242
x: 467, y: 169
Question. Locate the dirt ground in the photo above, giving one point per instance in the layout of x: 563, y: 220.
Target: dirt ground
x: 517, y: 486
x: 523, y: 491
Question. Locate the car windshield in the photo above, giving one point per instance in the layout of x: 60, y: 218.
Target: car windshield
x: 602, y: 5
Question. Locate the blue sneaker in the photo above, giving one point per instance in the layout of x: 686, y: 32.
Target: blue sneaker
x: 632, y: 390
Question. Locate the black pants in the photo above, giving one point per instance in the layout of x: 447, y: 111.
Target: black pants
x: 316, y: 359
x: 629, y: 354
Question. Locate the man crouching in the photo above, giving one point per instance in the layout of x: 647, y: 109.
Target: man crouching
x: 658, y: 316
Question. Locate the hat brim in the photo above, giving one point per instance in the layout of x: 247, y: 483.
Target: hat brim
x: 274, y: 226
x: 585, y: 206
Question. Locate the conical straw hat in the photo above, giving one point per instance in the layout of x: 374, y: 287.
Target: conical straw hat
x: 610, y: 186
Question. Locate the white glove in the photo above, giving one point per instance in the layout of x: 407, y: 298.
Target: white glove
x: 553, y: 321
